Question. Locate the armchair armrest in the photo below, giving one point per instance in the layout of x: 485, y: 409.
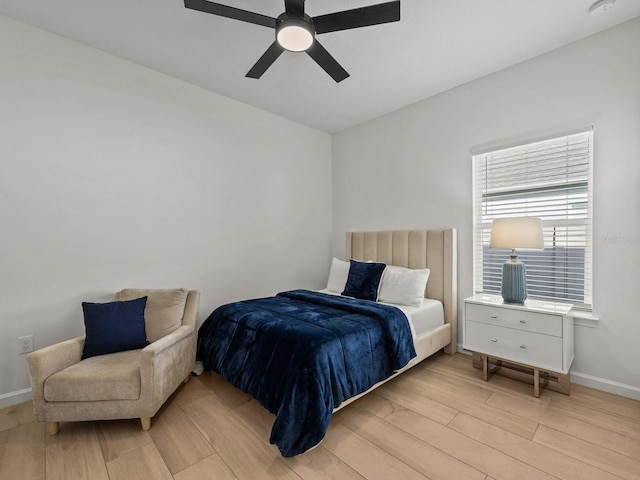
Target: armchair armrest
x: 165, y: 342
x: 164, y: 364
x: 49, y: 360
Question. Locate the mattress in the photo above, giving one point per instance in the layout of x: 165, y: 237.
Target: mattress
x: 422, y: 319
x: 426, y: 317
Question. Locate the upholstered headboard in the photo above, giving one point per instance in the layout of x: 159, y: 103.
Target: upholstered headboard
x: 432, y: 249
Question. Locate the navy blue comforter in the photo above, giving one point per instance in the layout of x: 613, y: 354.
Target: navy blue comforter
x: 302, y: 353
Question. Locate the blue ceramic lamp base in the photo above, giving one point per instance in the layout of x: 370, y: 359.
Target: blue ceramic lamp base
x: 514, y: 281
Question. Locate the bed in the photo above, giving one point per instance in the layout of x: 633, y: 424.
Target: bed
x: 306, y: 354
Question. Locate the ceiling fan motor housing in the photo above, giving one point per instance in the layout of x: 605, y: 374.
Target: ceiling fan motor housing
x: 294, y: 32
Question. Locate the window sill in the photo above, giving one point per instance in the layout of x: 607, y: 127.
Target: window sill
x: 582, y: 318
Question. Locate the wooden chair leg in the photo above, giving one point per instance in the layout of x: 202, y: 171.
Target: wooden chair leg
x: 53, y: 427
x: 146, y: 423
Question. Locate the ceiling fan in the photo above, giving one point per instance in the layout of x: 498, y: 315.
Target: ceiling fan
x: 296, y: 31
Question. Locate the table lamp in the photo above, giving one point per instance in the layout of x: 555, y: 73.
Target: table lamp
x: 513, y: 233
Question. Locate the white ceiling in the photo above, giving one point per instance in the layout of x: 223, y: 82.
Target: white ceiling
x: 437, y: 45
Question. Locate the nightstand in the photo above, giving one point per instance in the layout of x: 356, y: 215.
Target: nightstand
x: 531, y: 339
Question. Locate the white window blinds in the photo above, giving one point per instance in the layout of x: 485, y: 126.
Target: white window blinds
x: 551, y: 180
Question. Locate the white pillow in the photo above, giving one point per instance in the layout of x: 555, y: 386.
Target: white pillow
x: 403, y: 286
x: 338, y: 275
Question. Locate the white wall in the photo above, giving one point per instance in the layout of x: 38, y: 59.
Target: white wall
x: 412, y: 169
x: 113, y: 176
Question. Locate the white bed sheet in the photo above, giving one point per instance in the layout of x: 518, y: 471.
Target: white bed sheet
x: 426, y: 317
x: 422, y: 319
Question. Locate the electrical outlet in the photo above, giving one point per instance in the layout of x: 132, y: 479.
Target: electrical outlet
x: 25, y: 344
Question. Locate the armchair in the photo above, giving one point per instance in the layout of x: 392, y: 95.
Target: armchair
x: 129, y: 384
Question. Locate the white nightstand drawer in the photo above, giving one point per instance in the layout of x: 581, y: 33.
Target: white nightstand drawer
x: 529, y: 348
x: 515, y: 318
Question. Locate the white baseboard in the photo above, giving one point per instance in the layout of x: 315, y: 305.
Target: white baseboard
x: 605, y: 385
x: 15, y: 398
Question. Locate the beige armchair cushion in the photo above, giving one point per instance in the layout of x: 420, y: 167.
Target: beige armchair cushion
x: 115, y: 376
x: 164, y: 310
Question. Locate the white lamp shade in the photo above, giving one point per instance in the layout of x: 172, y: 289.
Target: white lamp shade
x: 517, y: 232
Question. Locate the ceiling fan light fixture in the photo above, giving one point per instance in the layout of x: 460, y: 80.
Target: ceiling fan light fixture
x: 296, y: 31
x: 294, y: 34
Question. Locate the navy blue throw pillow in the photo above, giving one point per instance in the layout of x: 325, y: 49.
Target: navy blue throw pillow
x: 114, y: 327
x: 363, y: 280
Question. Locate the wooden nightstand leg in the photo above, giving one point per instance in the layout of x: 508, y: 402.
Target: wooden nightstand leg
x: 481, y: 360
x: 564, y: 383
x: 485, y: 368
x: 536, y: 383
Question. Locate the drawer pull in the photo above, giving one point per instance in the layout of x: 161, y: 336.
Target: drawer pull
x: 523, y: 321
x: 494, y: 316
x: 523, y: 346
x: 494, y: 340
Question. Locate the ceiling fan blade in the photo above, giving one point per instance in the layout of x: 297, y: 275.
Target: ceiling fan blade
x: 294, y: 7
x: 265, y: 61
x: 358, y: 17
x: 230, y: 12
x: 327, y: 62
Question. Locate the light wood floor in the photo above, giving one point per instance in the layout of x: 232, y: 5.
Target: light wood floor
x: 439, y: 420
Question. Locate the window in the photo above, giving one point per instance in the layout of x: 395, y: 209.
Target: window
x: 552, y: 180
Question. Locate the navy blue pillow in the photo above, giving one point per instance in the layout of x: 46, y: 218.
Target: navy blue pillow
x: 114, y: 327
x: 363, y: 280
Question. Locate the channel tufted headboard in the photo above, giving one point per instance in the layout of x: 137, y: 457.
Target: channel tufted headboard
x: 432, y: 249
